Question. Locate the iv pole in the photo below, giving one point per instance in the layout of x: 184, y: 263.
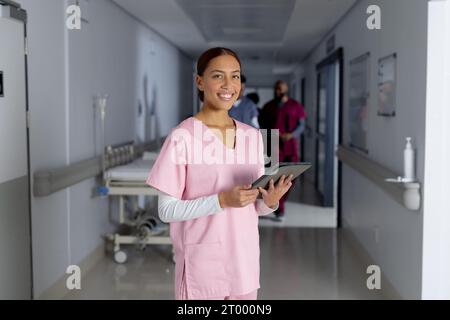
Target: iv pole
x: 100, y: 102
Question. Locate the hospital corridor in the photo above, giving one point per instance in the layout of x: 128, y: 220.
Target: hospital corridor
x: 224, y: 149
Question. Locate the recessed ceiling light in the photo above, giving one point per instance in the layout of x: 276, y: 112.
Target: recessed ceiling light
x: 240, y: 31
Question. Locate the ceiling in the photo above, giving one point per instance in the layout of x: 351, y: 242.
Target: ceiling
x: 270, y: 36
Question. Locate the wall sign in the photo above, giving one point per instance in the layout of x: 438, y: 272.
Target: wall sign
x: 387, y: 85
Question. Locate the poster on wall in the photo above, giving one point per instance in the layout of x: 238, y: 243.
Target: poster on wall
x: 387, y: 85
x: 359, y: 101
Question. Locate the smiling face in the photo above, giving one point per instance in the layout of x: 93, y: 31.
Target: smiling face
x: 221, y: 82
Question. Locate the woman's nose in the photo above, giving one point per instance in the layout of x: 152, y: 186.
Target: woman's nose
x: 226, y: 82
x: 225, y: 85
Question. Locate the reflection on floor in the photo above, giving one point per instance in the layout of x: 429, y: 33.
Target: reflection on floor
x: 302, y: 215
x: 303, y: 209
x: 296, y: 263
x: 299, y: 263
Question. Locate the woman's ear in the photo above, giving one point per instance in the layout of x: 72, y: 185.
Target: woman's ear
x: 199, y: 82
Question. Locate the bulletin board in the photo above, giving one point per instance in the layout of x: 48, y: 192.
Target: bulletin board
x: 387, y: 85
x: 359, y: 101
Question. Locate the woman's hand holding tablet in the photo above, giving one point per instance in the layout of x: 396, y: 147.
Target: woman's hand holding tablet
x: 273, y: 194
x: 286, y: 169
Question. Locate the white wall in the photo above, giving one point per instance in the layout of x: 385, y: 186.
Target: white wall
x: 366, y: 208
x: 436, y: 224
x: 112, y: 54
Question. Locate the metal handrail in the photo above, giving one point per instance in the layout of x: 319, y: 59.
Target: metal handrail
x: 46, y: 182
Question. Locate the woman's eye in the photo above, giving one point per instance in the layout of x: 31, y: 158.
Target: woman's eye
x: 237, y: 77
x: 217, y: 76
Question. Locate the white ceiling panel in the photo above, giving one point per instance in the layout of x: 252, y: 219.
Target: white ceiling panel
x: 268, y: 33
x: 239, y: 21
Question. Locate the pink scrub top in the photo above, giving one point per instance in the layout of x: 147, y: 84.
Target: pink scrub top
x: 216, y: 255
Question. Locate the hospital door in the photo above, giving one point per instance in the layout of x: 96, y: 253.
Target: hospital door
x: 15, y: 238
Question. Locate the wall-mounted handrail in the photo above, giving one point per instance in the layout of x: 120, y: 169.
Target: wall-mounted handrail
x: 47, y: 182
x: 405, y: 193
x: 50, y: 181
x: 10, y: 3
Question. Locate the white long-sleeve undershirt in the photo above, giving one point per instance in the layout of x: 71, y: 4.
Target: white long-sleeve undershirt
x: 171, y: 209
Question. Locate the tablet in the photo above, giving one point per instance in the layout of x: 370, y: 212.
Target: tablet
x: 285, y: 168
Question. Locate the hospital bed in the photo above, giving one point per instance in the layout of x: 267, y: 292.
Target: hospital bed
x: 124, y: 177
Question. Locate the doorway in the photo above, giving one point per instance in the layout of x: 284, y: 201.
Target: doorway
x: 328, y: 133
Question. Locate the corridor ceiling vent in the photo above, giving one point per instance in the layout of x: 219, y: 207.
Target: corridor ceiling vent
x: 240, y: 21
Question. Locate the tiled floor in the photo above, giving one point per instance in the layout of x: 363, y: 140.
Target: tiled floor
x: 296, y: 263
x: 303, y: 209
x: 310, y: 263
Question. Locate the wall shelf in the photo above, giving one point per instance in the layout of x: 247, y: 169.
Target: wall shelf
x: 405, y: 193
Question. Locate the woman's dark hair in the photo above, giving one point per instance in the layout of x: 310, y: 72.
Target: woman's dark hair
x: 207, y: 56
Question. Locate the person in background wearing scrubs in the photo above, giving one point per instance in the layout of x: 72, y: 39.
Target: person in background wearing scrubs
x: 288, y: 116
x: 244, y: 109
x: 212, y: 210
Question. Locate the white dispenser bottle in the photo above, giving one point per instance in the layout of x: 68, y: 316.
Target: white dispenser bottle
x: 408, y: 162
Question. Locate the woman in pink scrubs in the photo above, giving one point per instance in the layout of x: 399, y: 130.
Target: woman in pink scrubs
x: 204, y: 173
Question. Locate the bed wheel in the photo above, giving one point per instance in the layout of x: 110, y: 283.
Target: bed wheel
x: 144, y: 231
x: 120, y: 256
x: 153, y: 223
x: 147, y: 227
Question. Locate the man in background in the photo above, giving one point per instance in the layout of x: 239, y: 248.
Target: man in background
x: 288, y: 116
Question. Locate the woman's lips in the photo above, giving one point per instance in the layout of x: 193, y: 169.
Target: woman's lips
x: 225, y: 96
